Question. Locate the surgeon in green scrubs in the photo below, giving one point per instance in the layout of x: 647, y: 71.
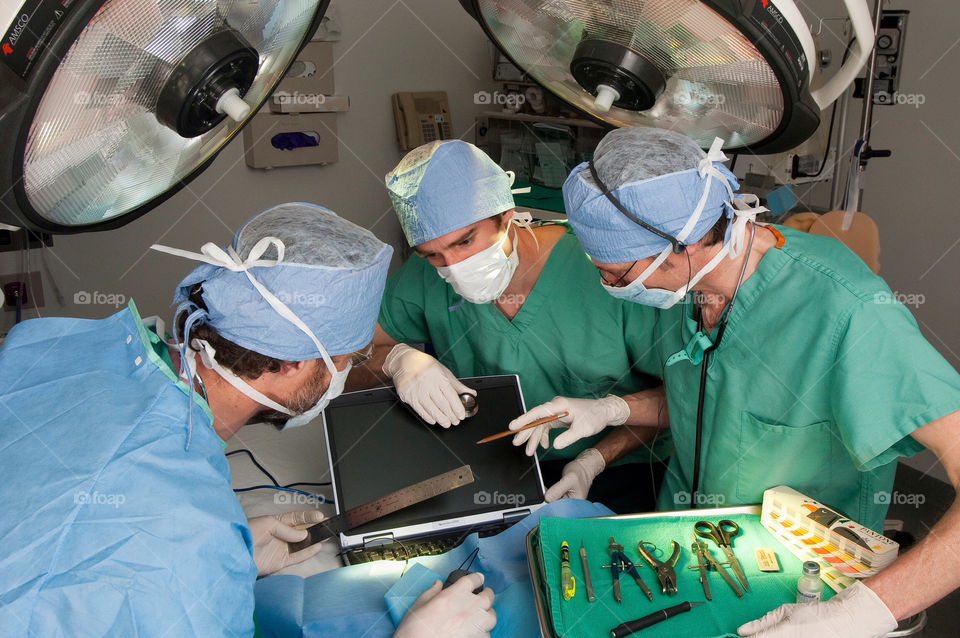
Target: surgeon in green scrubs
x: 494, y: 295
x: 815, y: 376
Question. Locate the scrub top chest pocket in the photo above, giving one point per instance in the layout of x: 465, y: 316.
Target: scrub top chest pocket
x: 777, y: 454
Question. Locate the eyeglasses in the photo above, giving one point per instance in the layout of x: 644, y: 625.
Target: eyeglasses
x: 360, y: 357
x: 619, y: 282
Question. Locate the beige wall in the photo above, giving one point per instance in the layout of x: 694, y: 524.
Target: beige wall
x: 413, y: 45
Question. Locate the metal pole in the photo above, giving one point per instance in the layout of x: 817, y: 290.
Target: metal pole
x: 866, y: 115
x: 842, y: 109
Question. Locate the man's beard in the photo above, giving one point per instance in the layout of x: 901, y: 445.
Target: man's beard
x: 304, y: 398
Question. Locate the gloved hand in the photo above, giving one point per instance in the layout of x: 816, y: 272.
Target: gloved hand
x: 426, y: 385
x: 586, y: 417
x: 455, y: 611
x: 577, y: 476
x: 856, y: 612
x: 271, y: 534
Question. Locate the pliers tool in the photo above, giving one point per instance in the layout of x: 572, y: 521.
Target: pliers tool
x: 666, y: 575
x: 620, y: 563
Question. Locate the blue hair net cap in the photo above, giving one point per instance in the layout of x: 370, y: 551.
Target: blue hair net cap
x: 654, y: 173
x: 442, y: 186
x: 332, y: 277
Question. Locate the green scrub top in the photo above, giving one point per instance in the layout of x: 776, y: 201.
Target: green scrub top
x: 568, y: 339
x: 817, y: 384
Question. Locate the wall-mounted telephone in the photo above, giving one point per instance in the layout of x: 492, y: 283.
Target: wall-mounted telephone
x: 421, y: 118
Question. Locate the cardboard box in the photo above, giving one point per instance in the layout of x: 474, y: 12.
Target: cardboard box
x: 263, y: 149
x: 283, y: 102
x: 311, y: 73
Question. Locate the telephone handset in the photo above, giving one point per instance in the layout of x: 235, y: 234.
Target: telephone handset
x: 421, y: 117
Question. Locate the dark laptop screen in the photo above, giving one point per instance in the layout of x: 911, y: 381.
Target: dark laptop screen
x: 378, y: 446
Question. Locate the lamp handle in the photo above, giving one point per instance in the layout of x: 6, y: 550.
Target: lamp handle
x: 865, y: 35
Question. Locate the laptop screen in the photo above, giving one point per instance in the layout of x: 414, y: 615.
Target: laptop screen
x: 377, y: 445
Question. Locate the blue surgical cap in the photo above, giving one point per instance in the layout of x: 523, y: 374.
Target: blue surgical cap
x: 331, y: 276
x: 440, y: 187
x: 655, y: 175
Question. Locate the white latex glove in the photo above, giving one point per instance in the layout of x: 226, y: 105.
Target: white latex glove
x: 426, y: 385
x: 577, y: 476
x: 454, y: 611
x: 270, y: 535
x: 856, y: 612
x: 585, y: 417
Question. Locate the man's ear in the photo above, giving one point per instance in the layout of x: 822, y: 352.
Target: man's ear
x: 293, y: 368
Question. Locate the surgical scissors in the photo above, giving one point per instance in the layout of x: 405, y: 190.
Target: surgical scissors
x: 722, y: 532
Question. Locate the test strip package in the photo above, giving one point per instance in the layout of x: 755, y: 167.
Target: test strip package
x: 844, y: 549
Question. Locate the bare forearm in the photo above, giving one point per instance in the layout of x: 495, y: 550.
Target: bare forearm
x: 623, y: 440
x: 371, y: 375
x: 648, y: 408
x: 648, y: 414
x: 931, y: 569
x: 924, y: 574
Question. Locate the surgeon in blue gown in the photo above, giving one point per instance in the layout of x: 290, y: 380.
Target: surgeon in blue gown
x: 117, y: 513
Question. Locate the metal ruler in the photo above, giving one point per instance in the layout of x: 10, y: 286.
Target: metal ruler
x: 388, y: 504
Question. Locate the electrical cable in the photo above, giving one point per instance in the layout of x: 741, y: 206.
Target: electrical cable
x: 833, y: 115
x: 255, y: 462
x: 320, y: 498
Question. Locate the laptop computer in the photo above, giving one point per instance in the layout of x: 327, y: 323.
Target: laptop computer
x: 377, y: 445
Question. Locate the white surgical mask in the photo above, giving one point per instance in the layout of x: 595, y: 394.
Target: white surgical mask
x: 483, y: 277
x: 335, y: 389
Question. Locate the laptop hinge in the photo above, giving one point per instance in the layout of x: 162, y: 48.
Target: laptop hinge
x: 377, y: 539
x: 514, y: 516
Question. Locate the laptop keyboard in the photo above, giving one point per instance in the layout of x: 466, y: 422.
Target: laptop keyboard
x: 397, y: 550
x: 412, y: 548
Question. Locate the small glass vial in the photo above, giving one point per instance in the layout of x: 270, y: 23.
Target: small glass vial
x: 809, y: 585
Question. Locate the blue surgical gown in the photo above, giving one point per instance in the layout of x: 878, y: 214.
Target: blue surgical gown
x: 818, y: 382
x: 110, y: 524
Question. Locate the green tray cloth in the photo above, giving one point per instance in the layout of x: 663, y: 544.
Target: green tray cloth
x: 579, y: 618
x: 539, y: 197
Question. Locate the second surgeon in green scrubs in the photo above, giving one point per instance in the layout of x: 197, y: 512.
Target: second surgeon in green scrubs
x: 820, y: 380
x: 493, y: 295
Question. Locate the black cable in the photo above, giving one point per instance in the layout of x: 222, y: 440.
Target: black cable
x: 260, y: 467
x: 695, y: 483
x: 721, y: 327
x: 733, y: 162
x: 826, y: 151
x: 304, y: 483
x: 833, y: 115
